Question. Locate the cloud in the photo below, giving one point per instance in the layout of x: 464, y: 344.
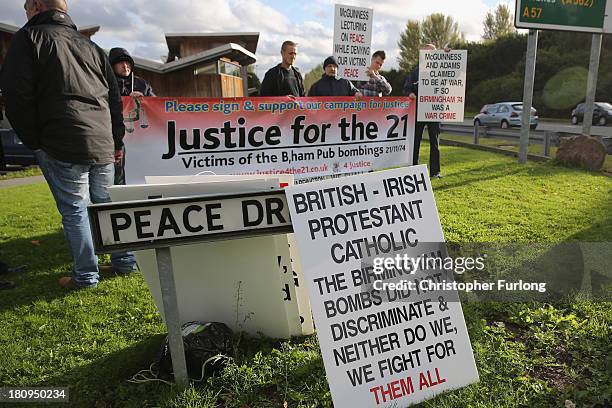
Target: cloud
x: 140, y: 25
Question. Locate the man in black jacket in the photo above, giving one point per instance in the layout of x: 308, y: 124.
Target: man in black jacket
x: 129, y: 85
x: 123, y: 66
x: 411, y: 88
x: 284, y: 79
x: 330, y: 85
x: 62, y: 100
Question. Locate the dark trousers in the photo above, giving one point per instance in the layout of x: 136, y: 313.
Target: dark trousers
x: 120, y: 170
x: 433, y: 128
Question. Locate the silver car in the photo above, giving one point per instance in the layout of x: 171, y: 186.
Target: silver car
x: 504, y: 115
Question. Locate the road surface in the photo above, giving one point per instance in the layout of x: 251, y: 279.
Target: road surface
x: 562, y: 127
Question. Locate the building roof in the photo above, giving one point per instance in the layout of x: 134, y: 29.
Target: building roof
x: 86, y: 30
x: 247, y: 40
x: 244, y: 54
x: 8, y: 28
x: 233, y: 51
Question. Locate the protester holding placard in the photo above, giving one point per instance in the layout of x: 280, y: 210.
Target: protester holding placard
x: 331, y: 85
x: 129, y: 85
x: 411, y: 88
x: 378, y: 84
x: 284, y: 79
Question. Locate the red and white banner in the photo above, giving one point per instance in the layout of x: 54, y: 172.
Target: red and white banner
x: 306, y: 137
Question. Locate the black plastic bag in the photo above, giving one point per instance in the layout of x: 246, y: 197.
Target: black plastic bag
x: 202, y: 342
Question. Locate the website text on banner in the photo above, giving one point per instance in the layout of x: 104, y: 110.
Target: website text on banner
x: 306, y: 137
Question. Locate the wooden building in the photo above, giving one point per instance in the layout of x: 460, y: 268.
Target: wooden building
x: 205, y: 65
x: 198, y: 64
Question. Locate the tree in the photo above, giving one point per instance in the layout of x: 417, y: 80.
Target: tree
x: 396, y: 79
x: 312, y: 76
x: 409, y: 43
x: 498, y: 23
x: 253, y: 81
x: 436, y: 28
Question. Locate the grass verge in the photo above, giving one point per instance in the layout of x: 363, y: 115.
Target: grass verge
x: 528, y: 354
x: 24, y: 172
x: 513, y: 145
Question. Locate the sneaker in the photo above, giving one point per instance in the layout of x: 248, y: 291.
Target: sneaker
x: 437, y: 175
x: 69, y: 283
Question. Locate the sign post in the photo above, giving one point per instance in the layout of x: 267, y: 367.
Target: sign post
x: 589, y: 16
x: 161, y: 223
x: 532, y: 47
x: 175, y: 338
x: 591, y: 84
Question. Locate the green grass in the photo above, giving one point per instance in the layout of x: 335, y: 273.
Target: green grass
x: 26, y: 172
x: 513, y: 145
x: 528, y: 354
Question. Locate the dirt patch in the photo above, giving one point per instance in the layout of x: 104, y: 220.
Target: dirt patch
x: 555, y: 376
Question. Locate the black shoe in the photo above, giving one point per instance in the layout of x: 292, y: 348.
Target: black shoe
x: 7, y: 285
x: 4, y: 268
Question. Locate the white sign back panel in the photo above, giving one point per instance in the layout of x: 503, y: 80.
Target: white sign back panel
x: 211, y: 279
x: 293, y: 276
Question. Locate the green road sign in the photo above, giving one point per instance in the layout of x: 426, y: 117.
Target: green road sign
x: 569, y: 15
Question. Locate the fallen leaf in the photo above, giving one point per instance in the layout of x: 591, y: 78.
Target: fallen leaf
x: 35, y: 242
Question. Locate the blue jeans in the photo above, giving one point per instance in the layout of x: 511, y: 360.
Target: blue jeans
x: 74, y: 186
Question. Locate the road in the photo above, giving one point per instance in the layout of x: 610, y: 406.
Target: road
x: 563, y: 127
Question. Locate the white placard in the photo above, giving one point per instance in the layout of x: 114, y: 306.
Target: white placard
x: 380, y: 347
x: 442, y: 86
x: 353, y: 41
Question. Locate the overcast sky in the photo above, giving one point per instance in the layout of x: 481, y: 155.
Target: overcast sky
x: 139, y: 25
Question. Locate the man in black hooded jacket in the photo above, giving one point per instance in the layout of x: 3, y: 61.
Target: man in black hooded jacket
x: 129, y: 85
x: 123, y: 66
x: 330, y: 85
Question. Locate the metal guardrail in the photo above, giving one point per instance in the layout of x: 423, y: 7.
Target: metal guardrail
x: 546, y: 137
x: 486, y: 131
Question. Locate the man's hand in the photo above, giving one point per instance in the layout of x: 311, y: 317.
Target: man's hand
x: 358, y: 96
x: 412, y: 95
x: 118, y: 155
x: 136, y: 94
